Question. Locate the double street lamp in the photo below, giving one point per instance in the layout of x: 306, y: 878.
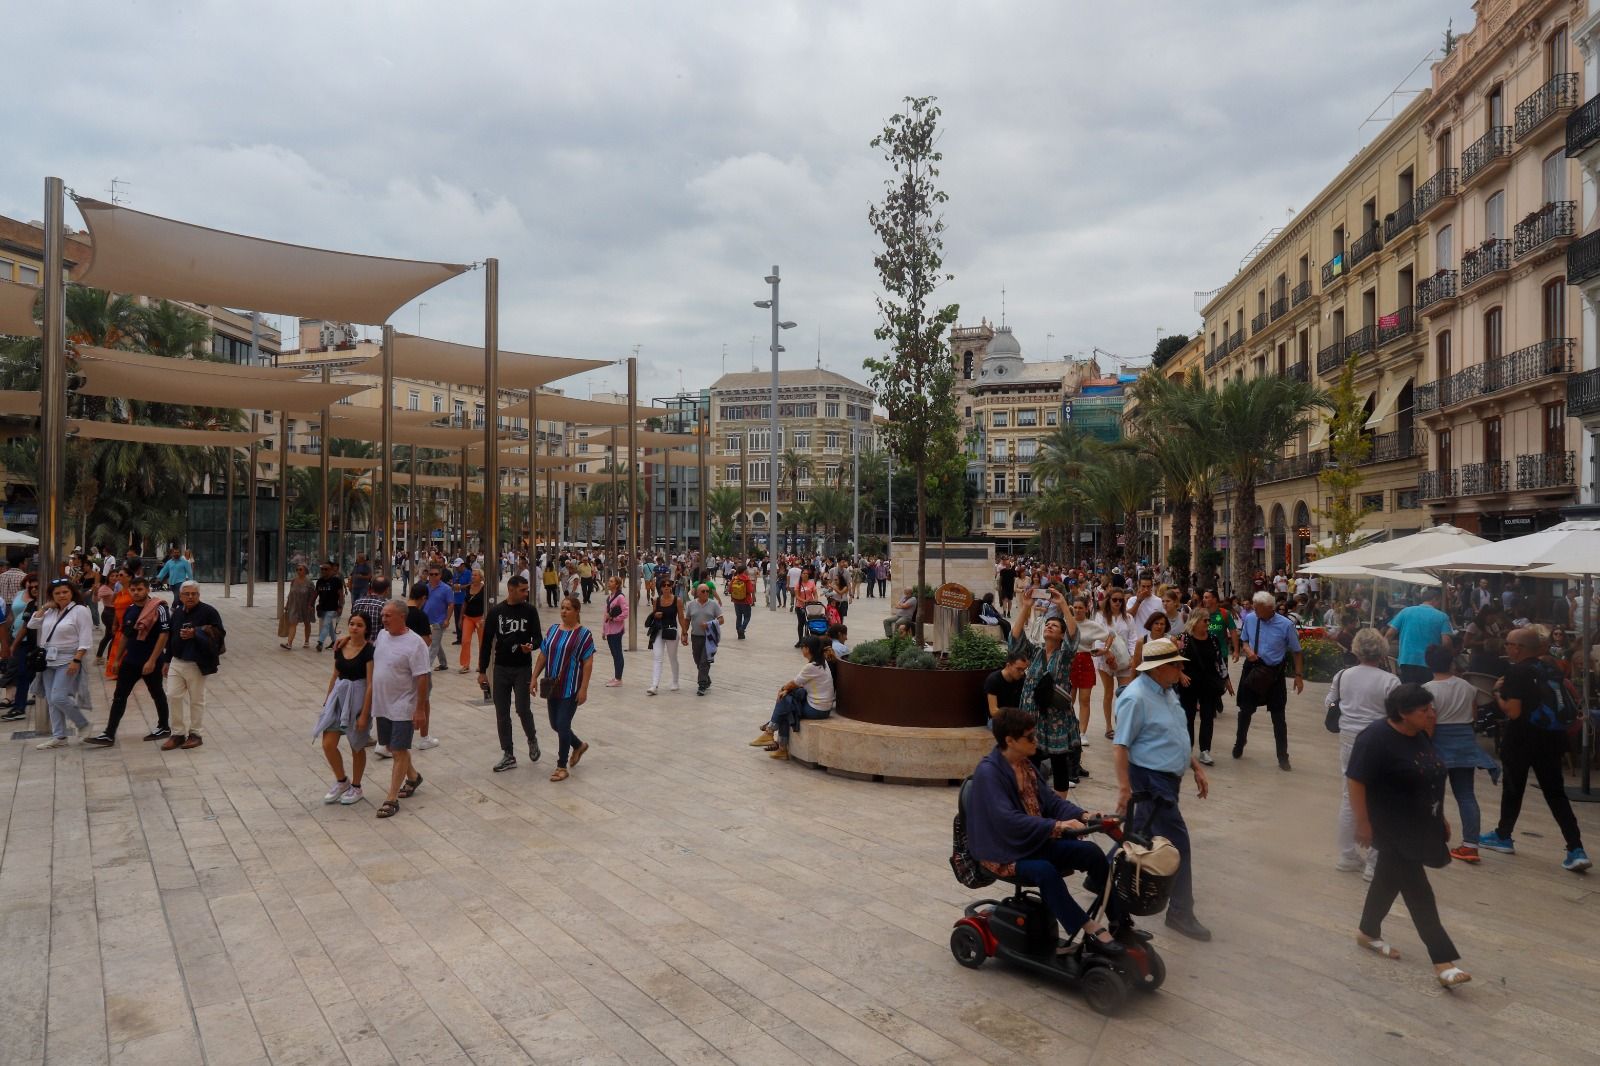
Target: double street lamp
x: 772, y: 526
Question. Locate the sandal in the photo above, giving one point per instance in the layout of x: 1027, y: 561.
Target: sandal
x: 388, y: 809
x: 577, y: 753
x: 287, y: 647
x: 559, y: 775
x: 1451, y: 976
x: 1111, y: 734
x: 409, y: 788
x: 1378, y: 947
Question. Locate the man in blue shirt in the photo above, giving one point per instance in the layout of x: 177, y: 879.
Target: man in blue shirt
x: 175, y: 571
x: 1267, y: 639
x: 1419, y: 627
x: 437, y: 609
x: 1151, y: 748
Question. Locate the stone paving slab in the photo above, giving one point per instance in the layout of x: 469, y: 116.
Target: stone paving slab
x: 684, y: 899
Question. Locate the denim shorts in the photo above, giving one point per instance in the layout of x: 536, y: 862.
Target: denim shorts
x: 396, y: 736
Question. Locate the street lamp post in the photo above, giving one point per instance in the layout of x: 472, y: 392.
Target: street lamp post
x: 772, y: 473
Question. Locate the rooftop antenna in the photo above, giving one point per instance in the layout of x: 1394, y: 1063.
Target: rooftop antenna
x: 1002, y: 306
x: 819, y: 347
x: 1048, y: 337
x: 116, y: 194
x: 753, y: 366
x: 724, y: 358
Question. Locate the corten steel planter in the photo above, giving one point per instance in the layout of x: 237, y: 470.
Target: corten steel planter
x: 927, y: 699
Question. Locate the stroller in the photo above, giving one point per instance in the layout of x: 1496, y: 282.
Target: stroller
x: 816, y: 616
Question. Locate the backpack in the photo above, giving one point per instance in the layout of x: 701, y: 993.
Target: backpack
x: 738, y: 588
x: 1557, y: 709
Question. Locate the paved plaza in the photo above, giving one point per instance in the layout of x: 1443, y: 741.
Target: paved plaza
x: 685, y: 899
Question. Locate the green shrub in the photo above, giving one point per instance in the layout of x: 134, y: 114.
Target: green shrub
x: 873, y: 653
x: 971, y: 650
x: 916, y: 659
x: 1323, y: 658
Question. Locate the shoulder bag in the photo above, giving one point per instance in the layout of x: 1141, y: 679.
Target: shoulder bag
x: 1260, y: 678
x: 38, y: 658
x: 1330, y: 721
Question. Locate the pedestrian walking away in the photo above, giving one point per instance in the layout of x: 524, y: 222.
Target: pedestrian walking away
x: 742, y: 593
x: 1267, y: 639
x: 1420, y: 627
x: 401, y: 682
x: 511, y: 635
x: 1455, y: 706
x: 566, y: 659
x: 146, y: 626
x: 1361, y: 693
x: 347, y: 712
x: 1397, y: 792
x: 704, y: 617
x: 193, y: 653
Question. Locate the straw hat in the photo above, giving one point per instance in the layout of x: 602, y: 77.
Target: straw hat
x: 1159, y: 653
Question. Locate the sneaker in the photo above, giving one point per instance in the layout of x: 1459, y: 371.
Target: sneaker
x: 1350, y: 865
x: 1238, y: 751
x: 158, y: 733
x: 339, y: 789
x: 1465, y: 853
x: 11, y: 716
x: 424, y: 743
x: 53, y: 742
x: 763, y: 740
x: 780, y: 753
x: 1188, y: 925
x: 436, y: 669
x: 1493, y: 841
x: 507, y: 761
x: 351, y: 795
x: 104, y: 740
x: 651, y: 691
x: 319, y: 647
x: 674, y: 688
x: 1283, y: 764
x: 1205, y: 759
x: 1577, y: 861
x: 1370, y: 870
x: 533, y: 751
x: 192, y: 741
x: 613, y: 683
x: 382, y: 752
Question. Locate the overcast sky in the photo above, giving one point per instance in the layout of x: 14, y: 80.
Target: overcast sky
x: 637, y: 168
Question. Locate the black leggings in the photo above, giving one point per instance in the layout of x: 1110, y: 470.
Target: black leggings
x: 1409, y: 880
x: 108, y: 622
x: 1206, y: 706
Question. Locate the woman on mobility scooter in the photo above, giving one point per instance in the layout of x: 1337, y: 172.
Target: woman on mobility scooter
x: 1015, y: 825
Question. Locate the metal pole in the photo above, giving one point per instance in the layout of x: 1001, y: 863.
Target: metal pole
x: 231, y: 466
x: 414, y: 541
x: 703, y: 428
x: 855, y: 502
x: 283, y: 502
x: 322, y: 465
x: 744, y: 501
x: 385, y: 516
x: 491, y: 459
x: 772, y: 472
x: 52, y: 392
x: 634, y: 557
x: 250, y: 515
x: 888, y: 537
x: 533, y: 485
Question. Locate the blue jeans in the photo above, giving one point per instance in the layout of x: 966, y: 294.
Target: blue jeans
x: 1163, y: 818
x: 328, y: 628
x: 561, y: 710
x: 789, y: 710
x: 1045, y: 867
x: 614, y: 642
x: 61, y: 693
x: 741, y: 618
x: 1461, y: 784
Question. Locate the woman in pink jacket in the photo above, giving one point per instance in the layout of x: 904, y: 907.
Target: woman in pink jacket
x: 616, y: 622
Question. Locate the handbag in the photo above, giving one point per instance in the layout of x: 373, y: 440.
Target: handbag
x: 1330, y: 721
x: 547, y: 687
x: 38, y: 659
x: 1260, y: 677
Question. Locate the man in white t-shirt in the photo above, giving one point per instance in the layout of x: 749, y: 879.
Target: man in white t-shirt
x: 793, y: 584
x: 401, y: 678
x: 1145, y: 604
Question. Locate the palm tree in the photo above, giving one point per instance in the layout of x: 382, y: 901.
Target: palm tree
x: 166, y: 329
x: 830, y: 509
x: 100, y: 318
x: 723, y: 503
x: 1065, y: 456
x: 1052, y: 511
x: 1172, y: 428
x: 795, y: 465
x: 1252, y: 422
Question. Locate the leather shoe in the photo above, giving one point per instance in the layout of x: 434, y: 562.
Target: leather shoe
x: 1238, y: 750
x: 172, y: 743
x: 1097, y: 946
x: 1283, y: 763
x: 1188, y: 925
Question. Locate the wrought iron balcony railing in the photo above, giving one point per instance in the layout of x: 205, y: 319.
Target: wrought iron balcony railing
x: 1440, y: 287
x: 1400, y: 444
x: 1258, y: 323
x: 1479, y: 479
x: 1331, y: 358
x: 1558, y: 94
x: 1549, y: 223
x: 1236, y: 341
x: 1583, y: 258
x: 1437, y: 484
x: 1486, y: 150
x: 1546, y: 470
x: 1362, y: 340
x: 1301, y: 293
x: 1437, y: 190
x: 1542, y: 360
x: 1490, y: 257
x: 1333, y: 270
x: 1296, y: 372
x: 1404, y: 217
x: 1365, y: 245
x: 1279, y: 308
x: 1392, y: 327
x: 1583, y: 127
x: 1583, y: 394
x: 1427, y: 397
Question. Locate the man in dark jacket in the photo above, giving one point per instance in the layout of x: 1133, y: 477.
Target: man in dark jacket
x: 511, y: 636
x: 1015, y: 825
x: 190, y: 657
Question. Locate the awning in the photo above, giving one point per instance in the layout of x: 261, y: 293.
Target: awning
x: 152, y: 256
x: 142, y: 434
x: 16, y: 310
x: 157, y: 379
x: 645, y: 438
x: 1319, y: 434
x: 15, y: 402
x: 1388, y: 400
x: 552, y: 408
x: 426, y: 359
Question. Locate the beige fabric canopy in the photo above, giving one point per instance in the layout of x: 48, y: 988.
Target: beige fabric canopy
x: 646, y: 438
x: 519, y: 460
x: 152, y: 256
x: 199, y: 438
x: 554, y: 408
x: 462, y: 364
x: 337, y: 462
x: 134, y: 376
x: 16, y: 310
x: 14, y: 402
x: 673, y: 458
x: 369, y: 427
x: 573, y: 477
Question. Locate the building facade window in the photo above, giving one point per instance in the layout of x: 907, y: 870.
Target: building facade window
x: 1024, y: 483
x: 998, y: 518
x: 999, y: 483
x: 802, y: 440
x: 1027, y: 449
x: 413, y: 400
x: 998, y: 450
x: 1493, y: 334
x: 1000, y: 419
x: 831, y: 441
x: 1050, y: 416
x: 1028, y: 417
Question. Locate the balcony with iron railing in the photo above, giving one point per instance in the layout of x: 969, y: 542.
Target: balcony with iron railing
x: 1301, y: 293
x: 1583, y: 259
x: 1437, y: 293
x: 1291, y: 467
x: 1365, y: 246
x: 1524, y: 366
x: 1389, y: 447
x: 1555, y: 97
x: 1583, y: 127
x: 1427, y: 397
x: 1333, y: 271
x: 1583, y: 394
x: 1361, y: 341
x: 1398, y: 325
x: 1547, y: 229
x: 1258, y: 323
x: 1297, y: 372
x: 1331, y: 358
x: 1215, y: 355
x: 1487, y: 155
x: 1482, y: 479
x: 1437, y: 193
x: 1279, y: 308
x: 1437, y: 484
x: 1236, y: 340
x: 1491, y: 258
x: 1404, y: 217
x: 1546, y: 470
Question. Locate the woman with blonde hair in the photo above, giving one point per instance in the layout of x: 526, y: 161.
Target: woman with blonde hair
x: 1360, y: 692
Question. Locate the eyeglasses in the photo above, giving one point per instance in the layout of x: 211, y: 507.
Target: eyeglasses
x: 1032, y: 736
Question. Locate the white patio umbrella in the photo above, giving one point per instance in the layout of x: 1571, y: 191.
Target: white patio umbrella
x: 1566, y: 550
x: 11, y: 536
x: 1377, y: 562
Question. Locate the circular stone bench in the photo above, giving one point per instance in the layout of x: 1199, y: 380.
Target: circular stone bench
x: 906, y: 755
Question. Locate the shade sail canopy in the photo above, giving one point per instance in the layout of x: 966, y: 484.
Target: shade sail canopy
x: 16, y: 310
x: 573, y: 477
x: 644, y: 438
x: 420, y: 436
x: 426, y: 359
x: 337, y: 462
x: 153, y: 256
x: 553, y: 408
x: 1424, y: 544
x: 140, y: 434
x: 519, y: 460
x: 672, y: 458
x: 1388, y: 401
x: 133, y: 376
x: 1569, y: 549
x: 13, y: 402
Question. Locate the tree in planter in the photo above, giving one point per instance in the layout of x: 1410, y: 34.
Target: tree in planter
x: 916, y: 381
x: 1348, y: 447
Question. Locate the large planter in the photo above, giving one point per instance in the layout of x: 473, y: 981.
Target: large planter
x: 929, y: 699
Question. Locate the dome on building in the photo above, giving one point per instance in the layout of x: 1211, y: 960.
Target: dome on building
x: 1003, y: 360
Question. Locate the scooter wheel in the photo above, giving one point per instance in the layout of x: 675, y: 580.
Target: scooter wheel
x: 967, y: 946
x: 1158, y: 972
x: 1105, y: 990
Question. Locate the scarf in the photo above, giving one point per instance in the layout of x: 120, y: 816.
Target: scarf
x: 147, y: 617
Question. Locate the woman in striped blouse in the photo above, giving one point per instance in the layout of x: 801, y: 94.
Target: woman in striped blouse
x: 567, y: 657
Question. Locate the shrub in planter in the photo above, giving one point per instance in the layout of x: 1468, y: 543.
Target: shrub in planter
x: 1323, y: 658
x: 916, y: 659
x: 971, y: 650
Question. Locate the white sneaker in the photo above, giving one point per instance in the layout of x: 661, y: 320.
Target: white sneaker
x: 339, y: 788
x: 674, y: 688
x: 1349, y: 865
x: 53, y: 742
x: 651, y: 691
x: 424, y: 743
x: 1371, y: 867
x: 382, y: 752
x: 1205, y: 758
x: 351, y: 795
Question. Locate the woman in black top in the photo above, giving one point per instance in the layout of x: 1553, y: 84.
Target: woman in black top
x: 347, y: 711
x: 472, y: 616
x: 665, y: 622
x: 1397, y: 795
x: 1205, y: 678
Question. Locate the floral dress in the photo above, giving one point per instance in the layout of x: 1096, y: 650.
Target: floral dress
x: 1058, y: 726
